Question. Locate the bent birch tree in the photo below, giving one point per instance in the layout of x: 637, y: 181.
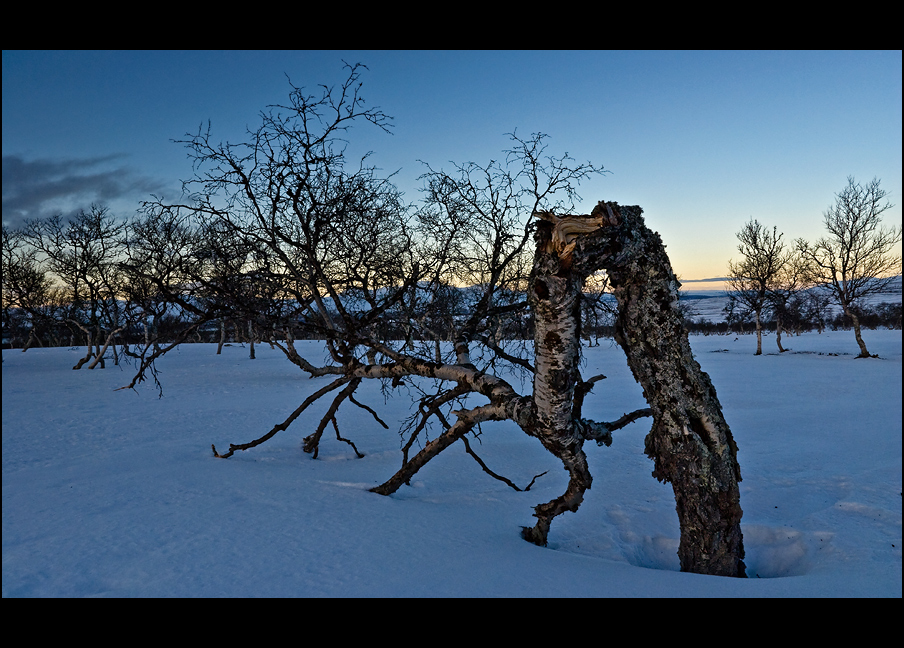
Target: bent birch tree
x: 690, y: 442
x: 375, y: 278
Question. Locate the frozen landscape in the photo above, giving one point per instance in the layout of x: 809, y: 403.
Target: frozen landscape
x: 117, y: 494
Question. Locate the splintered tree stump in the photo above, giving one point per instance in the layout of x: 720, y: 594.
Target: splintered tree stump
x: 690, y: 442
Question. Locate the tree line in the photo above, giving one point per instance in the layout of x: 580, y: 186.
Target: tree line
x: 83, y: 282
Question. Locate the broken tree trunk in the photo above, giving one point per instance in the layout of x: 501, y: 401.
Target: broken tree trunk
x: 690, y: 442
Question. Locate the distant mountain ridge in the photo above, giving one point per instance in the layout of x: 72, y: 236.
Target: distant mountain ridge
x: 708, y: 305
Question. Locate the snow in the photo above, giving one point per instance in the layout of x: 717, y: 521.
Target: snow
x: 117, y: 494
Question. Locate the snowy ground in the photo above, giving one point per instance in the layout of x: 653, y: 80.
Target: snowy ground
x: 116, y: 493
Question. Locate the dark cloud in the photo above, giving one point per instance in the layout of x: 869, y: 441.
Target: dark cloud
x: 44, y: 187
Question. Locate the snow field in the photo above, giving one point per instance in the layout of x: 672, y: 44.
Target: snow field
x: 117, y: 493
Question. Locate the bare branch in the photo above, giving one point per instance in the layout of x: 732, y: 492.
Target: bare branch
x: 351, y: 398
x: 312, y: 441
x: 602, y: 432
x: 494, y: 475
x: 285, y: 424
x: 467, y: 419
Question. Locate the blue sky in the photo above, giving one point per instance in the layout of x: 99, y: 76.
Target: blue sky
x: 703, y: 141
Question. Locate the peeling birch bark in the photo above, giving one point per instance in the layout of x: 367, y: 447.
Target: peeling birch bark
x: 554, y: 295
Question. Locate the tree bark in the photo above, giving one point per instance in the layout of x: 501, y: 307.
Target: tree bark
x: 251, y: 337
x: 690, y: 441
x: 778, y: 333
x: 759, y: 334
x: 555, y: 294
x: 855, y: 322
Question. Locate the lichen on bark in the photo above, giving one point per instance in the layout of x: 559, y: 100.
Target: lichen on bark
x: 690, y: 442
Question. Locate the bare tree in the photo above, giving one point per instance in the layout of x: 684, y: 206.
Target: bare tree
x: 476, y: 222
x: 855, y: 260
x: 752, y: 278
x: 27, y: 289
x: 167, y: 273
x: 83, y: 253
x: 374, y: 281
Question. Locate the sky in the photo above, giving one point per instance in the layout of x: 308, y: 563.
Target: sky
x: 703, y: 141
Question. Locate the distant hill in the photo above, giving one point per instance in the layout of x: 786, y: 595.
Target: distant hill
x: 704, y: 304
x: 708, y: 305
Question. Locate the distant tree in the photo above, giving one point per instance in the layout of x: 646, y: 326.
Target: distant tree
x: 889, y: 314
x: 598, y: 308
x: 814, y: 307
x: 166, y: 270
x: 31, y: 303
x: 686, y: 308
x: 855, y: 260
x: 475, y: 219
x: 751, y: 279
x: 736, y: 314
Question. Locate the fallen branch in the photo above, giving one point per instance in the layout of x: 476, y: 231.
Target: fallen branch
x: 351, y: 398
x: 360, y: 455
x: 430, y: 406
